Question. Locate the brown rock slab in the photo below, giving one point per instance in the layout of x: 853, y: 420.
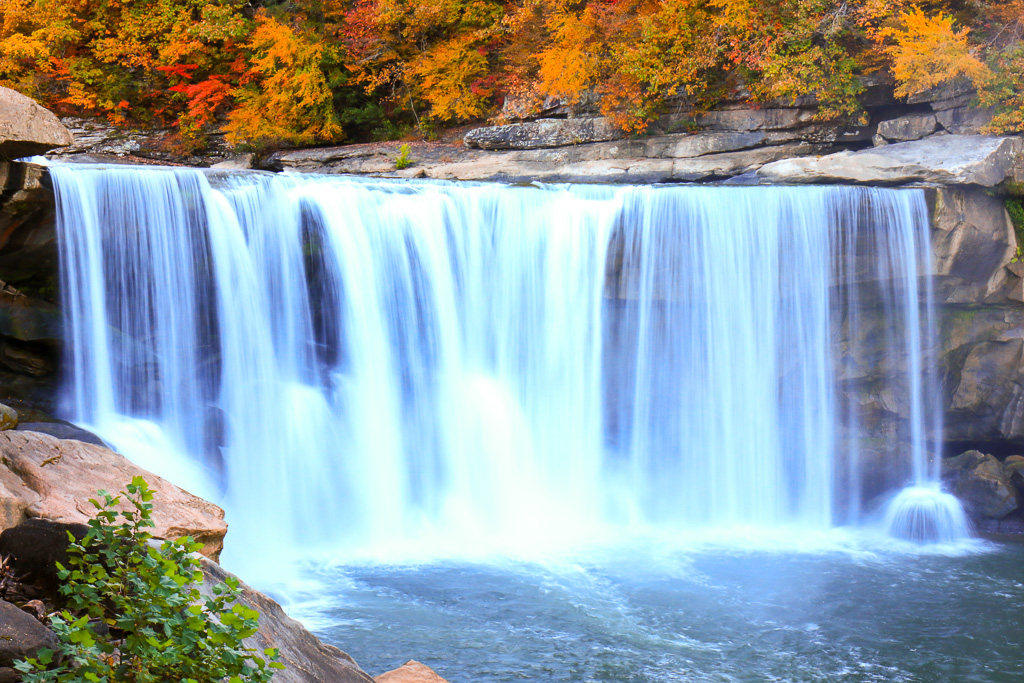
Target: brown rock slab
x: 305, y: 657
x: 55, y: 479
x: 410, y: 672
x: 27, y: 128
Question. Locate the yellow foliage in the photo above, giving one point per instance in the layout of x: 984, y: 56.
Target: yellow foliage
x: 448, y: 77
x: 572, y: 64
x: 929, y: 52
x: 285, y: 95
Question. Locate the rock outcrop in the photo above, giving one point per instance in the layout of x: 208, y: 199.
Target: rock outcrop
x: 305, y: 657
x: 543, y: 133
x: 27, y: 128
x: 982, y: 483
x: 944, y: 160
x: 42, y: 476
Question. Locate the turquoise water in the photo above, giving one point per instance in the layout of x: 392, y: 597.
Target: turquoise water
x: 642, y: 615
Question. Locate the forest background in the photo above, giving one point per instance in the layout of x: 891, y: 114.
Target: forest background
x: 269, y: 73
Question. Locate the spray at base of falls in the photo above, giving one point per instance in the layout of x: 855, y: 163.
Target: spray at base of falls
x: 356, y: 363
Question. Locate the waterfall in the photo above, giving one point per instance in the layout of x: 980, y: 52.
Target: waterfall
x: 347, y: 362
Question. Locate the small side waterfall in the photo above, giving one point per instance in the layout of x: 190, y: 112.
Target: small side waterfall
x: 352, y: 362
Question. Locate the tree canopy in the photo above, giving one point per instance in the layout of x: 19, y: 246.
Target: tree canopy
x: 269, y: 72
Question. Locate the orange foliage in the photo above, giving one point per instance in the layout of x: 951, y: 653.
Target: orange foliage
x: 929, y: 52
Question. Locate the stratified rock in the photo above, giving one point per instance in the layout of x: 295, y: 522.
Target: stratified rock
x: 21, y: 635
x: 55, y: 479
x: 305, y: 657
x: 543, y: 133
x: 947, y: 159
x: 756, y: 119
x: 982, y: 484
x: 912, y: 127
x: 410, y: 672
x: 27, y: 128
x: 8, y: 417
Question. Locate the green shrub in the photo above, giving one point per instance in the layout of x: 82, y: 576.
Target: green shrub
x: 403, y: 160
x: 134, y: 612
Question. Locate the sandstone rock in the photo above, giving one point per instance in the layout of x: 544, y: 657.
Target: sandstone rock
x: 542, y: 133
x: 55, y: 479
x: 21, y: 634
x: 981, y: 483
x: 949, y: 159
x: 236, y: 163
x: 912, y: 127
x: 8, y: 417
x: 410, y: 672
x: 27, y: 128
x: 305, y: 657
x: 982, y: 385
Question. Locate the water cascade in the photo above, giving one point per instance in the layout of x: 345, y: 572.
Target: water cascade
x: 348, y: 363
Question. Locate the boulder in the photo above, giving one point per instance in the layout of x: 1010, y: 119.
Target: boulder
x: 410, y: 672
x: 982, y: 484
x: 965, y: 120
x: 34, y: 548
x: 8, y: 417
x: 912, y: 127
x: 543, y: 133
x: 27, y: 128
x: 52, y: 478
x: 305, y: 657
x: 21, y: 635
x: 948, y: 160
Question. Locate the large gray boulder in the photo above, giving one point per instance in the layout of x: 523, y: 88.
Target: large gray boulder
x: 27, y: 128
x: 946, y: 160
x: 543, y: 133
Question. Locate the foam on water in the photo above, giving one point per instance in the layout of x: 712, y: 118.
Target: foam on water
x: 361, y: 367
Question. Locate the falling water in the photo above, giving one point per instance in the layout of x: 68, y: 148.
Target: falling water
x: 356, y: 362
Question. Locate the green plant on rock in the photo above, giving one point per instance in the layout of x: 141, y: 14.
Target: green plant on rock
x: 403, y: 160
x: 1015, y: 208
x: 134, y: 612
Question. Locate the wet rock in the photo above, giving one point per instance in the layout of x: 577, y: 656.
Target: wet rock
x: 8, y: 417
x: 543, y: 133
x: 947, y: 160
x: 27, y: 128
x: 305, y: 657
x: 912, y: 127
x: 982, y: 484
x: 55, y: 479
x: 410, y: 672
x: 21, y: 635
x: 62, y: 430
